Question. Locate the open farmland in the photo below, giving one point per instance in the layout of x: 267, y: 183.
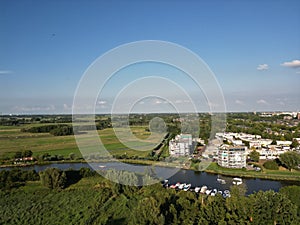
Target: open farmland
x: 12, y: 139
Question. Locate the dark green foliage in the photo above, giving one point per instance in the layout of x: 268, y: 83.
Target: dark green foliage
x: 62, y: 131
x: 16, y: 177
x: 294, y: 144
x: 271, y: 165
x: 86, y: 172
x: 293, y: 194
x: 273, y: 208
x: 290, y: 159
x: 18, y: 155
x: 254, y: 156
x: 27, y: 153
x: 107, y: 203
x: 54, y: 129
x: 53, y: 178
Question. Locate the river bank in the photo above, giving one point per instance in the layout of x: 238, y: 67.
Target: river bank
x: 264, y: 174
x: 213, y: 168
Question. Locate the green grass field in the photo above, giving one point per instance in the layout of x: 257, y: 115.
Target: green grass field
x: 13, y: 140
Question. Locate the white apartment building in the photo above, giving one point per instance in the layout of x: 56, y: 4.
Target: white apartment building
x: 181, y: 145
x: 232, y: 156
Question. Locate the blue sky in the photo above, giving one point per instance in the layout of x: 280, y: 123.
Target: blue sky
x: 253, y: 48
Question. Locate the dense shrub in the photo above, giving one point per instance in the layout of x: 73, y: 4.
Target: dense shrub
x: 54, y: 129
x: 271, y: 165
x: 16, y: 177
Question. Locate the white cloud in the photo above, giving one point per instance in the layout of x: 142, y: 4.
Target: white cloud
x: 157, y: 101
x: 262, y: 101
x: 239, y: 102
x: 292, y: 64
x: 34, y: 108
x: 5, y: 72
x: 298, y: 72
x: 262, y: 67
x: 66, y: 107
x: 102, y: 102
x: 178, y: 101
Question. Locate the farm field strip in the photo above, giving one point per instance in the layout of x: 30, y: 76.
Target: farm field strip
x: 13, y: 140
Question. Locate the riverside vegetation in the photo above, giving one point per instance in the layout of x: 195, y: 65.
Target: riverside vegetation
x: 84, y: 197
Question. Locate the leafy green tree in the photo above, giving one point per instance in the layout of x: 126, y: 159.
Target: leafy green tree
x: 272, y: 208
x: 27, y: 153
x: 18, y: 155
x: 293, y: 194
x: 294, y: 144
x: 53, y: 178
x: 147, y: 211
x: 290, y: 159
x: 254, y: 156
x: 237, y: 206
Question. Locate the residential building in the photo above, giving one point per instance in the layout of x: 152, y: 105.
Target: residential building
x: 181, y: 145
x: 232, y: 156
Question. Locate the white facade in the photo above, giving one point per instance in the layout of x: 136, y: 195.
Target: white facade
x: 232, y: 156
x: 182, y: 145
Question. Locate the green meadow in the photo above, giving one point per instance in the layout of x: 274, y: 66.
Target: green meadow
x: 12, y: 139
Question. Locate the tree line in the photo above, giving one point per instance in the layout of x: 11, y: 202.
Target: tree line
x: 100, y: 201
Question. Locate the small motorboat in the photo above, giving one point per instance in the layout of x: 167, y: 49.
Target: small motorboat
x: 203, y: 189
x: 181, y: 186
x: 197, y: 189
x: 208, y: 192
x: 187, y: 187
x: 237, y: 181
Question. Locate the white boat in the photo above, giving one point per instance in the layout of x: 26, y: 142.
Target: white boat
x: 208, y: 192
x: 237, y: 181
x: 102, y: 166
x: 197, y: 189
x: 221, y: 181
x: 226, y: 194
x: 181, y: 186
x: 203, y: 189
x: 187, y: 187
x: 214, y: 192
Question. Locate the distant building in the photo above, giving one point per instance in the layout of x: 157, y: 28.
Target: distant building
x: 283, y: 143
x: 232, y: 156
x: 181, y: 145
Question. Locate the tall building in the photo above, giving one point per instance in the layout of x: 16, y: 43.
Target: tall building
x: 232, y: 156
x: 181, y: 145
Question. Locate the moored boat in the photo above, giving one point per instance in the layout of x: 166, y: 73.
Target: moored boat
x: 237, y: 181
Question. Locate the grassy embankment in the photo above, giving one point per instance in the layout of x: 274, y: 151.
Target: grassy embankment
x: 264, y: 174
